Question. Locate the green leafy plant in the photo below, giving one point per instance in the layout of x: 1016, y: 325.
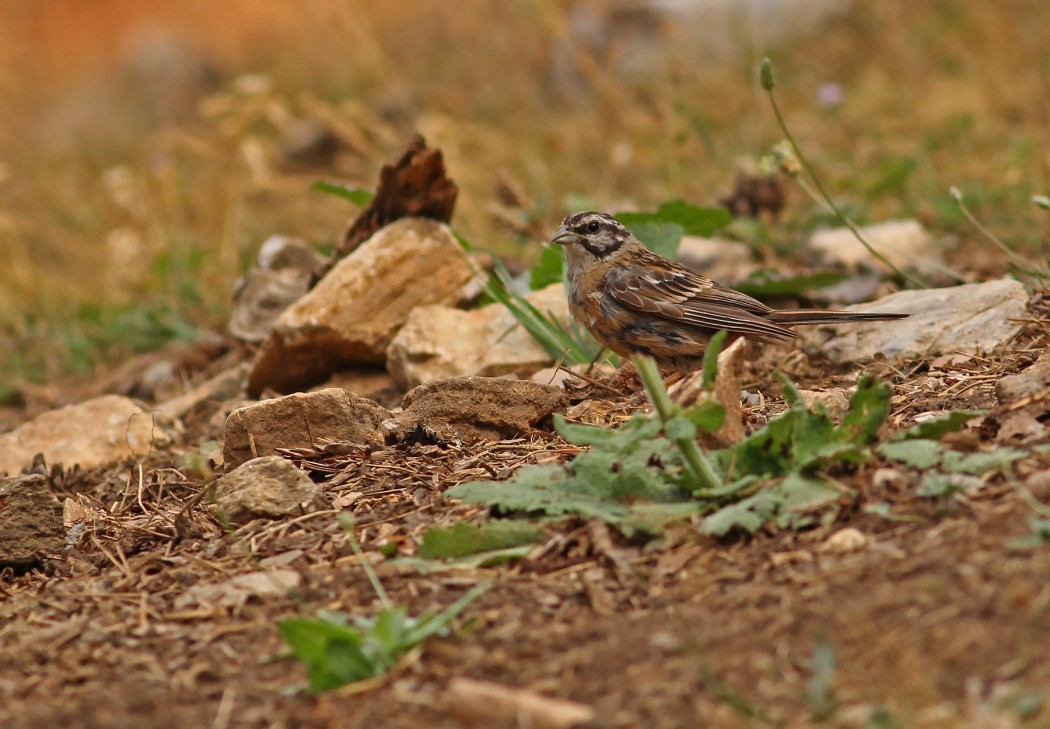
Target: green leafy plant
x: 646, y: 472
x: 338, y: 650
x: 945, y: 471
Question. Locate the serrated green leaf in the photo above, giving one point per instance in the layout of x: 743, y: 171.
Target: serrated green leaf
x: 550, y: 268
x: 921, y: 453
x: 868, y: 407
x: 463, y: 539
x: 792, y: 395
x: 356, y: 195
x: 935, y: 484
x: 708, y: 415
x: 680, y: 428
x: 749, y: 514
x: 935, y: 428
x: 797, y: 491
x: 980, y: 463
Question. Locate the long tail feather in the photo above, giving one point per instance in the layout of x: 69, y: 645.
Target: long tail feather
x: 793, y: 317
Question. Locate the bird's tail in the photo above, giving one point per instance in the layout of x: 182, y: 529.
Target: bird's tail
x: 794, y: 317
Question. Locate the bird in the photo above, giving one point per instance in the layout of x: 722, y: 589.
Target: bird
x: 636, y: 302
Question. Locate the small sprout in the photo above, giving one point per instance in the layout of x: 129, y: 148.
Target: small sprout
x: 1041, y: 201
x: 956, y: 193
x: 338, y: 651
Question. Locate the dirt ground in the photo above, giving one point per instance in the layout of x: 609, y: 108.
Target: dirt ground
x: 119, y: 223
x: 933, y: 622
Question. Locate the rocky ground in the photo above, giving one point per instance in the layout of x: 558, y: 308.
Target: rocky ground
x: 166, y: 522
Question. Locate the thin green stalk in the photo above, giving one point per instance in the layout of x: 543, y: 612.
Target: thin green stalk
x: 768, y: 83
x: 347, y: 523
x: 700, y: 468
x: 1019, y: 261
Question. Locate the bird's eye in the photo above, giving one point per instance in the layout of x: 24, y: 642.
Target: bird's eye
x: 592, y: 227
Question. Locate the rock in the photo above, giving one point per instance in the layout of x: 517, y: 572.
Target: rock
x: 845, y: 540
x: 30, y: 521
x: 1027, y: 382
x: 441, y: 342
x: 266, y: 488
x: 280, y: 277
x: 476, y: 407
x: 835, y: 401
x: 301, y: 421
x: 722, y: 260
x: 91, y: 433
x: 971, y: 319
x: 353, y: 313
x: 905, y: 243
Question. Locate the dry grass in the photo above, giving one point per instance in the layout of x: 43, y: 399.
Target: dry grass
x: 108, y: 204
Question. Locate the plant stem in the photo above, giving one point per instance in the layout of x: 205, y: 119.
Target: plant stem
x: 1019, y: 261
x: 824, y: 193
x: 700, y: 468
x: 347, y: 523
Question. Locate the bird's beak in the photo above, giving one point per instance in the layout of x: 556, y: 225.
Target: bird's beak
x: 564, y: 236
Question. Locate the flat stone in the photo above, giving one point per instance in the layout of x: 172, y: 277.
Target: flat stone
x: 266, y: 488
x: 905, y: 243
x: 1027, y: 382
x: 439, y: 341
x: 31, y: 525
x: 476, y: 407
x: 835, y: 401
x: 351, y: 316
x: 301, y: 421
x: 972, y: 319
x: 92, y: 433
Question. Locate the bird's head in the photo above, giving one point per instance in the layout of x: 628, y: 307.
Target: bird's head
x: 591, y: 236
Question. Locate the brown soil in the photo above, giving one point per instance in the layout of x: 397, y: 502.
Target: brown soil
x: 935, y: 621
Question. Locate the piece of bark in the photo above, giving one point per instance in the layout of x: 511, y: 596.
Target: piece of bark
x: 415, y: 184
x: 480, y: 703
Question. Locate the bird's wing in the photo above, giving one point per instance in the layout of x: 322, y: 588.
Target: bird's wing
x: 680, y: 295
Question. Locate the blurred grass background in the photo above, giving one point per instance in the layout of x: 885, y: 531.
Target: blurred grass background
x: 147, y: 149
